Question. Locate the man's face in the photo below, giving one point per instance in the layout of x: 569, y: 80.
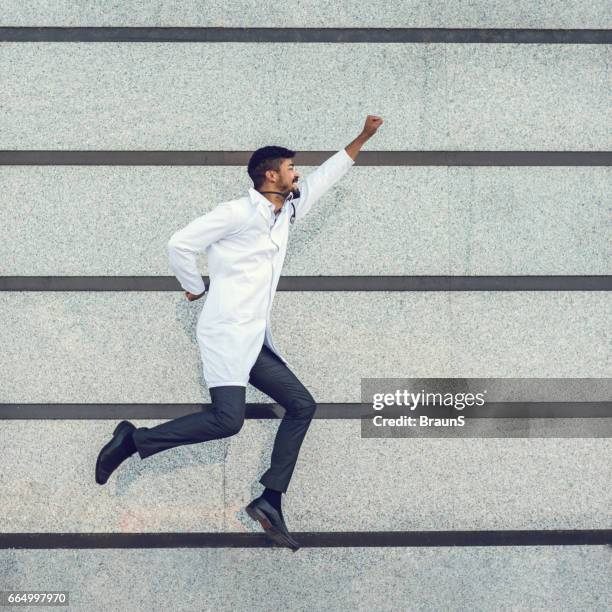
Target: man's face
x: 287, y: 177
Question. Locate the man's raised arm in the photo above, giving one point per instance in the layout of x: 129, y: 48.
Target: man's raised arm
x: 372, y: 123
x: 333, y: 169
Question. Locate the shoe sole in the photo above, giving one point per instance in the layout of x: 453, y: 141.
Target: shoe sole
x: 120, y: 425
x: 270, y: 530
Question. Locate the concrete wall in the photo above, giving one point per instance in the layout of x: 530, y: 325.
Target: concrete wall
x: 111, y: 348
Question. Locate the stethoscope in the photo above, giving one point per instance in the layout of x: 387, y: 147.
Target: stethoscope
x: 288, y: 200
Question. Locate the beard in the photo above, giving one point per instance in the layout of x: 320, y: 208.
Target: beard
x: 294, y: 190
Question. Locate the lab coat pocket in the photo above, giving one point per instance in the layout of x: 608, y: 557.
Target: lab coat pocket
x: 251, y: 295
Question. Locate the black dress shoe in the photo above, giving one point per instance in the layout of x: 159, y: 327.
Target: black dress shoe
x: 263, y: 511
x: 114, y: 453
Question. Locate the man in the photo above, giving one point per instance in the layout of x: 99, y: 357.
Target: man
x: 245, y: 241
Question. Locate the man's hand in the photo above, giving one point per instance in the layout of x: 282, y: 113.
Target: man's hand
x: 191, y: 297
x: 372, y: 123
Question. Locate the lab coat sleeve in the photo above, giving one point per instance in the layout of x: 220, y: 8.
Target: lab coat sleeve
x: 194, y: 238
x: 315, y: 184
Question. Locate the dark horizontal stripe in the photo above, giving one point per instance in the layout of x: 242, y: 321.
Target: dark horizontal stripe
x: 305, y: 35
x: 321, y: 283
x: 307, y: 158
x: 491, y: 410
x: 342, y: 539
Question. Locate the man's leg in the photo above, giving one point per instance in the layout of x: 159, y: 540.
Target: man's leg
x: 224, y: 419
x: 270, y: 375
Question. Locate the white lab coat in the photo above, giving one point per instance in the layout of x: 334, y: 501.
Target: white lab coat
x: 245, y: 257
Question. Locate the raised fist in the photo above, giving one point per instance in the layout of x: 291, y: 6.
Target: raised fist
x: 372, y: 123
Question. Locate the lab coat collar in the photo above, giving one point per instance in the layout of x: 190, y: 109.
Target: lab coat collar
x: 265, y: 207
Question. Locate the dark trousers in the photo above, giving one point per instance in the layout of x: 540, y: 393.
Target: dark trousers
x: 268, y: 374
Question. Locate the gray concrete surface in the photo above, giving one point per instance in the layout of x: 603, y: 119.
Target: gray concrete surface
x: 201, y: 96
x: 141, y: 347
x: 315, y: 13
x: 409, y: 484
x: 76, y: 220
x: 563, y: 578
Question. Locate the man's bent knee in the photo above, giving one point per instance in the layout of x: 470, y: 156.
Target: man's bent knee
x: 303, y: 408
x: 230, y: 425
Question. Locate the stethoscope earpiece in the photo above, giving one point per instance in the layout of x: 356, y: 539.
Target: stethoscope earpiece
x: 290, y: 199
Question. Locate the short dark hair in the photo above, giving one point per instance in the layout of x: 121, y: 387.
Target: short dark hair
x: 266, y: 158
